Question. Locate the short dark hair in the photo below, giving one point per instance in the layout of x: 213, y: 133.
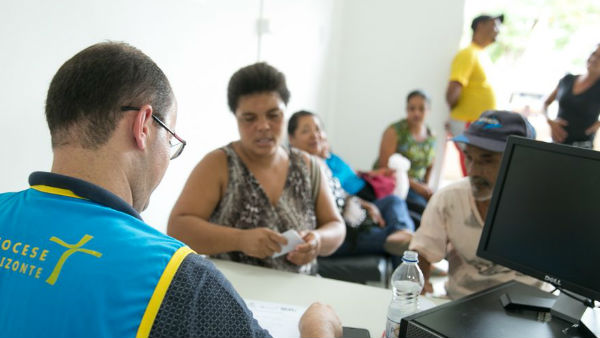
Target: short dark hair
x: 257, y: 78
x: 483, y: 18
x: 293, y: 121
x: 418, y: 92
x: 89, y: 89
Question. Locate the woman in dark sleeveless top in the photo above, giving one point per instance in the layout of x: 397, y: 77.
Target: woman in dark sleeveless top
x: 578, y: 106
x: 240, y: 198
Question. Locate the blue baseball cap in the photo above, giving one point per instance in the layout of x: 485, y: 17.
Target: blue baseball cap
x: 492, y: 129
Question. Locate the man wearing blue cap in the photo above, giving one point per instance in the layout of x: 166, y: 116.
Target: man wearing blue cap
x: 453, y: 220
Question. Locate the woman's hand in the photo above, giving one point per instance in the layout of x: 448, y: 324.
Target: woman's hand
x: 384, y: 171
x: 261, y: 242
x: 305, y: 253
x: 423, y: 190
x: 373, y: 212
x: 559, y: 134
x: 593, y: 128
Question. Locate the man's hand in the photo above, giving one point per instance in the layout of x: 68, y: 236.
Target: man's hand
x: 319, y: 320
x: 427, y: 288
x: 559, y: 134
x: 426, y: 269
x: 261, y: 242
x: 305, y: 253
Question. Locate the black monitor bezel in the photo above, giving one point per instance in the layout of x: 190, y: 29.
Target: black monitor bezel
x: 514, y: 141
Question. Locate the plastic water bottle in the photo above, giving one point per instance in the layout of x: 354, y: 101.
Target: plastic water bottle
x: 407, y: 282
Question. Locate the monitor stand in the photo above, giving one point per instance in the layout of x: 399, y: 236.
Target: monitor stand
x: 567, y: 307
x: 481, y: 315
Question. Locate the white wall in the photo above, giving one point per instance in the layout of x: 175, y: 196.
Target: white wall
x: 198, y: 44
x: 352, y: 61
x: 389, y: 47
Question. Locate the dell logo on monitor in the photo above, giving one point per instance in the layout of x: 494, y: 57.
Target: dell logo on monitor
x: 552, y: 280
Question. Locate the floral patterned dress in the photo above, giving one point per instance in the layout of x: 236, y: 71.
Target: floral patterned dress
x: 420, y: 154
x: 245, y: 205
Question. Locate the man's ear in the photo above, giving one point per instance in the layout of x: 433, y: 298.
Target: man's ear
x: 141, y: 126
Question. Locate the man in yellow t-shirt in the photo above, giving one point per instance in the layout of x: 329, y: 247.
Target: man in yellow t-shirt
x: 469, y: 92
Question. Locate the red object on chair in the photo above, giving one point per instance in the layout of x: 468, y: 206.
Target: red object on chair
x: 382, y: 185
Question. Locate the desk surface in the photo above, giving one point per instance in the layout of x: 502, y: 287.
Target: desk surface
x: 357, y: 305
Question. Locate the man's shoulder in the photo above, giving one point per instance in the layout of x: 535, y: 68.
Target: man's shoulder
x: 196, y: 277
x: 467, y: 53
x: 5, y: 196
x: 200, y: 264
x: 195, y: 270
x: 200, y: 296
x: 458, y: 185
x: 456, y: 189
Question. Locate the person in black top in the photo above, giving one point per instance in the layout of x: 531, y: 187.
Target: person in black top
x: 578, y: 105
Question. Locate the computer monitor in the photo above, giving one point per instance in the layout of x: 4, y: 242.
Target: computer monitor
x: 544, y: 220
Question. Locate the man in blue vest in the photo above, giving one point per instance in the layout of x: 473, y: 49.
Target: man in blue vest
x: 76, y: 259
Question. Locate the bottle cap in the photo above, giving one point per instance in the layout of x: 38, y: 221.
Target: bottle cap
x: 410, y: 256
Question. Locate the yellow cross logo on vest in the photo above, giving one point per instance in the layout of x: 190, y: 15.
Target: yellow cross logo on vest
x: 72, y: 248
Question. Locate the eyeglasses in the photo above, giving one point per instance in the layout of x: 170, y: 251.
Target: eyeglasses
x: 176, y: 143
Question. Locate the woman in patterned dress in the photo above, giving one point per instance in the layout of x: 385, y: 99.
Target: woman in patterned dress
x: 241, y: 197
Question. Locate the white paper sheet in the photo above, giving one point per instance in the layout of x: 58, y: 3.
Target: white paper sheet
x: 280, y: 319
x: 293, y: 239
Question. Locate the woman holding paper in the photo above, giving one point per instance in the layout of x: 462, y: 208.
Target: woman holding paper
x: 241, y: 198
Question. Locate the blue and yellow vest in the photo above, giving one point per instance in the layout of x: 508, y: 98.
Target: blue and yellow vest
x: 70, y: 266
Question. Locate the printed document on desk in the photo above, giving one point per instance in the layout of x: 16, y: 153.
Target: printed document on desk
x: 280, y: 319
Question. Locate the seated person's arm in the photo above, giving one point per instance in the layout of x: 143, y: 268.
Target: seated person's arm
x: 422, y: 188
x: 200, y: 196
x: 426, y: 269
x: 330, y: 232
x: 431, y: 239
x: 387, y: 148
x: 373, y: 211
x: 428, y: 173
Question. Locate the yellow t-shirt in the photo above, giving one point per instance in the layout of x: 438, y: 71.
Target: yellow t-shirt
x: 477, y: 94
